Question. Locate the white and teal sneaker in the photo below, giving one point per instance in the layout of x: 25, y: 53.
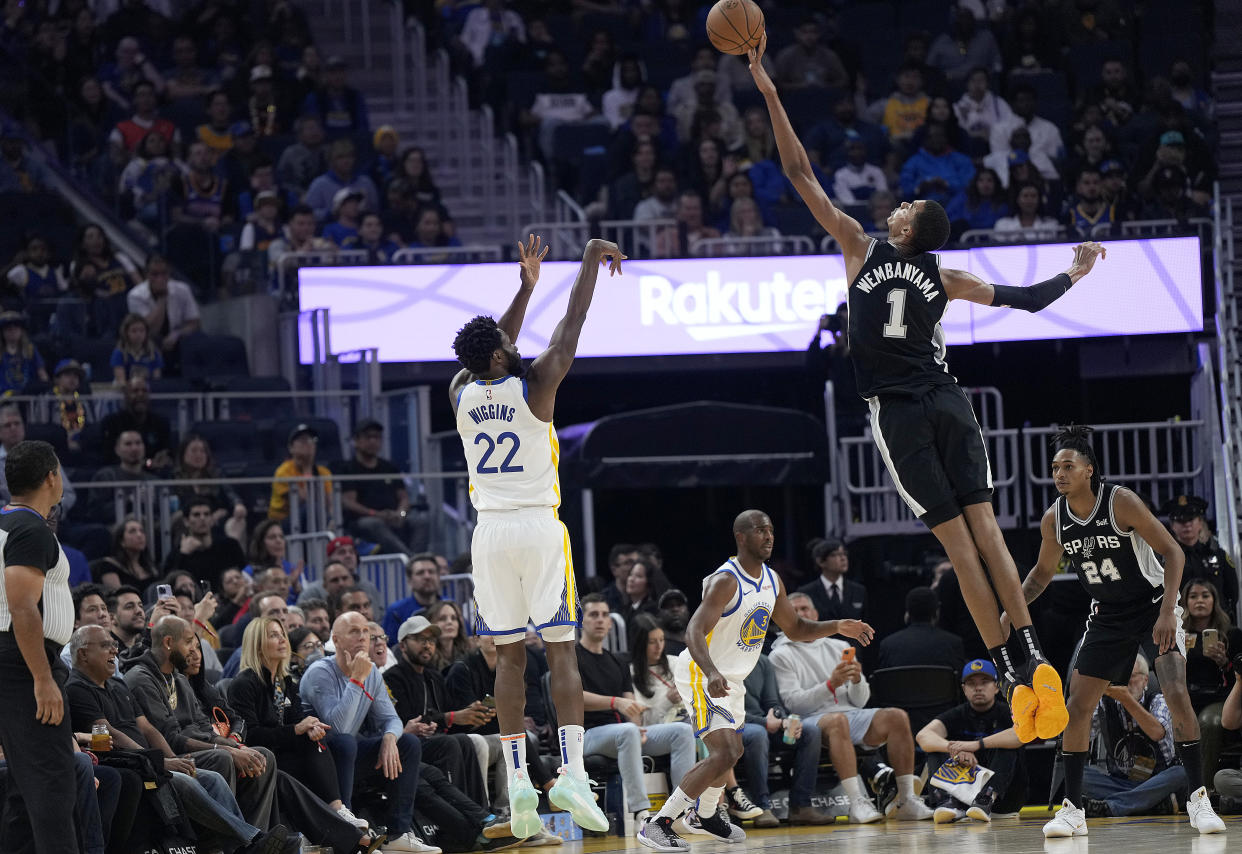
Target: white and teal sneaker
x: 576, y: 798
x: 524, y: 820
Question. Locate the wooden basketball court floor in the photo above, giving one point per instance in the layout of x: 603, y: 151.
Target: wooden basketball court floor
x: 1134, y: 835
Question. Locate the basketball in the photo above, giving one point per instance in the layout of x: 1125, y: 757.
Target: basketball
x: 735, y: 26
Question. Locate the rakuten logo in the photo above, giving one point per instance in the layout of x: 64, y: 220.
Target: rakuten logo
x: 715, y: 308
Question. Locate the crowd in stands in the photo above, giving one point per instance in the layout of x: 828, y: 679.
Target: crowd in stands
x: 335, y: 695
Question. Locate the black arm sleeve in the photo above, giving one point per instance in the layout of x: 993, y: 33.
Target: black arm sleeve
x: 1035, y: 298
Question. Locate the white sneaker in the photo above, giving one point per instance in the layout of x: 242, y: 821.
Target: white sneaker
x: 541, y: 839
x: 946, y: 814
x: 1202, y: 817
x: 360, y: 823
x: 408, y: 843
x: 912, y: 809
x: 1069, y: 821
x: 863, y: 811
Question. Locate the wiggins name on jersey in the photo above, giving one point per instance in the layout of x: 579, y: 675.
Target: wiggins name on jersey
x: 1116, y: 567
x: 511, y: 455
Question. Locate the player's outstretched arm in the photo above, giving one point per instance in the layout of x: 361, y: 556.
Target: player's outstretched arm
x: 958, y: 284
x: 797, y: 166
x: 551, y: 366
x: 1040, y: 576
x: 719, y: 595
x: 530, y: 256
x: 1131, y: 514
x: 798, y: 629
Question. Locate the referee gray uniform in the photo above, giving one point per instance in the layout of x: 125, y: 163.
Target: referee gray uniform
x: 40, y: 757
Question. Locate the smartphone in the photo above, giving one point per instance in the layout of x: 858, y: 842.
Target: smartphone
x: 204, y: 586
x: 163, y: 591
x: 489, y: 701
x: 1210, y: 636
x: 848, y: 655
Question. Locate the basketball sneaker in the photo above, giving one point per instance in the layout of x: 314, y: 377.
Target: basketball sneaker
x: 658, y: 835
x: 947, y: 814
x: 524, y: 820
x: 1023, y: 704
x: 717, y: 824
x: 575, y: 797
x: 1202, y: 817
x: 1051, y: 717
x: 1069, y: 821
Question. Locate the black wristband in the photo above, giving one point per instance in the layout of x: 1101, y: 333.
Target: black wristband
x: 1035, y: 298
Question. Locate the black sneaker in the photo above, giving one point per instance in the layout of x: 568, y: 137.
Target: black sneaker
x: 1095, y: 808
x: 658, y: 835
x: 718, y: 825
x: 884, y: 788
x: 981, y: 809
x: 271, y: 842
x: 740, y: 805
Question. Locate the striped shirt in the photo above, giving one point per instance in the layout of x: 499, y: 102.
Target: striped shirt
x: 26, y: 540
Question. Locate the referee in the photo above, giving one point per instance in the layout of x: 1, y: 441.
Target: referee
x: 36, y: 621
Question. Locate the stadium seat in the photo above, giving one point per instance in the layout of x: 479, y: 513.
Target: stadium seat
x: 233, y: 444
x: 95, y: 353
x: 1084, y: 62
x: 863, y: 20
x: 931, y: 16
x: 807, y: 107
x: 269, y: 407
x: 213, y: 357
x: 53, y: 434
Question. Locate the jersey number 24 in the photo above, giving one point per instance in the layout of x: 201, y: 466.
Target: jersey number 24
x: 507, y: 466
x: 1098, y: 574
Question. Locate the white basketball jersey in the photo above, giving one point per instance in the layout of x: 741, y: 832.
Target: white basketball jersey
x: 511, y: 455
x: 737, y: 639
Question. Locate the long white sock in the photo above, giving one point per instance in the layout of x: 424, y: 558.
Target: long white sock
x: 514, y: 749
x: 854, y: 788
x: 676, y: 805
x: 709, y: 800
x: 905, y: 787
x: 571, y: 750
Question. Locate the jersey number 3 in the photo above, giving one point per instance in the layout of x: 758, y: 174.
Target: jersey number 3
x: 896, y: 326
x: 1105, y: 571
x: 507, y: 466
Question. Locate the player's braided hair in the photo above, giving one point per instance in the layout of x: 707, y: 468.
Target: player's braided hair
x: 475, y: 343
x: 1077, y: 437
x: 931, y: 228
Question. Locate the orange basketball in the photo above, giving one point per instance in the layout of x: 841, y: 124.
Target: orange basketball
x: 735, y: 26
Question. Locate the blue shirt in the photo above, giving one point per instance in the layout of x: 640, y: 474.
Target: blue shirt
x: 953, y: 166
x: 398, y: 612
x: 332, y: 697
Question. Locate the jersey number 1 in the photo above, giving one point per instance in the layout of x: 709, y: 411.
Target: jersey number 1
x: 506, y: 467
x: 896, y: 327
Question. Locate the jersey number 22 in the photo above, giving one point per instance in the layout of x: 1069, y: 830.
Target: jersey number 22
x: 507, y: 466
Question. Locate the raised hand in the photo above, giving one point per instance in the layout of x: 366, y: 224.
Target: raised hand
x: 608, y: 252
x: 530, y: 255
x: 757, y: 71
x: 856, y: 629
x: 1085, y: 255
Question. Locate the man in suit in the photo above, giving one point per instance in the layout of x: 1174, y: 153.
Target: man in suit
x: 920, y: 643
x: 835, y: 597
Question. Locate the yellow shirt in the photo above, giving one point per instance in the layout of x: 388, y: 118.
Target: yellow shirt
x: 220, y: 143
x: 278, y: 507
x: 903, y: 117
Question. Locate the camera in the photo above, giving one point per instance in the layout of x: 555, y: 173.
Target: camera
x: 834, y: 323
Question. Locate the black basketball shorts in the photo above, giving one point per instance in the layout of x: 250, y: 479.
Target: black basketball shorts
x: 934, y: 450
x: 1114, y: 635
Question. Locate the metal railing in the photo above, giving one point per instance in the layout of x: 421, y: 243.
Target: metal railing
x: 473, y: 254
x: 1228, y: 323
x: 568, y: 238
x: 783, y: 245
x: 987, y: 236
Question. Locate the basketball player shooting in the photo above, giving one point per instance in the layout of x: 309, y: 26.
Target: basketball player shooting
x: 723, y: 641
x: 522, y: 567
x: 1112, y: 540
x: 921, y: 420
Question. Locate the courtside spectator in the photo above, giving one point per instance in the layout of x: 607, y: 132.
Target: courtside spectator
x: 422, y: 576
x: 920, y: 643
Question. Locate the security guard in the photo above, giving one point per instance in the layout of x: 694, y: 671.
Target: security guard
x: 1205, y: 559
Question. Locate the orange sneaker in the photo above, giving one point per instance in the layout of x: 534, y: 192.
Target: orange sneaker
x: 1051, y: 717
x: 1025, y: 707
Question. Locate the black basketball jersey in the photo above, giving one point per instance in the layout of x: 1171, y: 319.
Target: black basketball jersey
x: 1116, y: 567
x: 895, y: 337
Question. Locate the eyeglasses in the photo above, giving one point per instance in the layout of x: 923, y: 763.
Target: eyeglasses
x: 113, y: 646
x: 379, y: 639
x: 310, y: 646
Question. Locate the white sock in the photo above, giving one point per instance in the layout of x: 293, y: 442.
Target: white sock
x: 905, y: 787
x: 709, y: 800
x: 571, y: 751
x: 514, y: 749
x: 854, y: 788
x: 676, y: 805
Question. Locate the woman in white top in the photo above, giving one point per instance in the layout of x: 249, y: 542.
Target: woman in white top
x: 653, y: 673
x: 1027, y: 220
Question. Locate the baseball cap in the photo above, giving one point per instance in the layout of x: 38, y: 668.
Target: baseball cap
x: 416, y: 625
x: 1172, y: 137
x: 303, y: 430
x: 267, y: 196
x: 384, y: 131
x: 979, y: 665
x: 343, y: 195
x: 65, y: 365
x: 1183, y: 508
x: 671, y: 596
x: 260, y: 72
x: 335, y: 544
x: 366, y: 425
x: 241, y: 129
x: 1110, y: 166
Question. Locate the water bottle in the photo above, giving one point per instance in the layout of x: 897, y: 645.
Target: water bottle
x: 787, y: 737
